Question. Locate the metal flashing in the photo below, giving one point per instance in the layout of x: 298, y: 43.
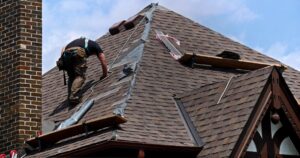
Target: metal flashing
x: 127, y: 79
x: 188, y: 123
x: 148, y: 16
x: 128, y: 69
x: 77, y: 115
x: 120, y: 108
x: 136, y: 54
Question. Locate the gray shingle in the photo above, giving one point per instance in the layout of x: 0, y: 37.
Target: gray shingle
x: 221, y: 124
x: 151, y: 112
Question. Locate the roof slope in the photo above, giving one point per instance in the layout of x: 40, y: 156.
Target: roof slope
x: 112, y: 88
x: 220, y: 111
x: 147, y: 93
x: 292, y: 78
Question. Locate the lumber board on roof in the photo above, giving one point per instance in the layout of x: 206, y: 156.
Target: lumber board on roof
x: 92, y: 125
x: 224, y: 62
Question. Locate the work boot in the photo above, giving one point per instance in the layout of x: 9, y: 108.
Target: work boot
x: 74, y: 99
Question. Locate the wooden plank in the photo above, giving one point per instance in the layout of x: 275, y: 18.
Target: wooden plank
x: 55, y: 136
x: 133, y: 21
x: 275, y: 90
x: 224, y: 62
x: 254, y: 119
x: 116, y: 28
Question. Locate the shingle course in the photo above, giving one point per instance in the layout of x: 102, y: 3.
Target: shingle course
x: 222, y: 123
x: 151, y: 111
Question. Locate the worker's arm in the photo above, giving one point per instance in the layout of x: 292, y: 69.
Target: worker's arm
x: 103, y: 62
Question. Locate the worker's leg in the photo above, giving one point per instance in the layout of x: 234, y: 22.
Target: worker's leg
x: 80, y: 70
x: 77, y: 83
x: 67, y: 58
x: 69, y: 87
x: 71, y: 79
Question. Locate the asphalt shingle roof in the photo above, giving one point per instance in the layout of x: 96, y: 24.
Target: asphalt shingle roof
x: 148, y: 92
x: 220, y: 110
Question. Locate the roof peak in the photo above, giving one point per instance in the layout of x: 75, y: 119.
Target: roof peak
x: 147, y: 81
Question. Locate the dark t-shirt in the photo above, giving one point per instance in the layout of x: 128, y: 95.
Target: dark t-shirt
x: 92, y: 47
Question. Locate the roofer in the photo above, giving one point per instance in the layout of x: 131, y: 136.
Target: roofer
x: 73, y: 60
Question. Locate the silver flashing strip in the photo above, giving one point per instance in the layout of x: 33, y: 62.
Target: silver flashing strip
x: 77, y: 115
x: 120, y: 109
x: 188, y: 123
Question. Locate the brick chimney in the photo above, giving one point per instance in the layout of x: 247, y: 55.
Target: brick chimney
x: 20, y: 71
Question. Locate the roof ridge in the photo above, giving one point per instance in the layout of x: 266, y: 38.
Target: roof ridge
x: 119, y: 110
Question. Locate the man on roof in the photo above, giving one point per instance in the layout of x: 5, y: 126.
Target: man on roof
x: 73, y: 60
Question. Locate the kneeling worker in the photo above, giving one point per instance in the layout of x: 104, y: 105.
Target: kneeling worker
x: 73, y: 60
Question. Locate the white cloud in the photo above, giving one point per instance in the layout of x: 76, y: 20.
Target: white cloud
x: 242, y: 13
x: 293, y: 59
x: 235, y: 10
x: 277, y: 49
x: 73, y: 5
x: 68, y: 19
x: 51, y: 50
x: 239, y: 38
x: 281, y: 52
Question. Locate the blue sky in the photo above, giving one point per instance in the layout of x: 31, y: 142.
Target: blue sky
x: 269, y: 26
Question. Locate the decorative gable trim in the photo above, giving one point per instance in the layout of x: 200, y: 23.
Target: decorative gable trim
x: 276, y: 96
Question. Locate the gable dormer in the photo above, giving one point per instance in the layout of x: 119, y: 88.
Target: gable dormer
x: 273, y: 129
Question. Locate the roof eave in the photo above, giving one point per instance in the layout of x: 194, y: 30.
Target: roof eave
x: 148, y: 148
